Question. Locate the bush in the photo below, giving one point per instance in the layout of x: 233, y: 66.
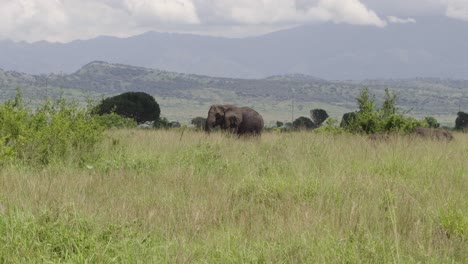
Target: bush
x: 162, y: 123
x: 431, y: 122
x: 55, y: 132
x: 199, y: 122
x: 114, y: 120
x: 462, y: 121
x: 139, y: 106
x: 348, y: 118
x: 369, y: 119
x: 330, y: 127
x: 303, y: 123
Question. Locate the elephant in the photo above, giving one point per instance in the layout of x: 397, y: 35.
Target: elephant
x: 237, y: 120
x: 432, y: 133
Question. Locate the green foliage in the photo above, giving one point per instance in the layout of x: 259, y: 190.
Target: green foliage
x: 338, y: 199
x: 303, y: 123
x: 136, y: 105
x: 114, y: 120
x: 162, y: 123
x: 330, y: 127
x: 174, y: 124
x: 462, y: 121
x: 347, y: 119
x: 318, y: 116
x: 428, y: 96
x: 370, y: 120
x: 366, y: 101
x: 279, y: 124
x: 431, y: 122
x: 54, y: 132
x: 388, y: 106
x: 65, y: 237
x: 454, y: 222
x: 199, y: 122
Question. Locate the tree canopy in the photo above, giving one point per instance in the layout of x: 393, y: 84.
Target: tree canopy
x: 303, y: 122
x: 462, y: 121
x: 318, y: 116
x: 139, y: 106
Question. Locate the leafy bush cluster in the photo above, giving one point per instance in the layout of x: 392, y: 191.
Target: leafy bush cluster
x: 114, y: 120
x: 52, y: 133
x: 370, y: 119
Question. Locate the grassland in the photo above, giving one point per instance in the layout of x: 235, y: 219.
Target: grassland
x: 183, y: 197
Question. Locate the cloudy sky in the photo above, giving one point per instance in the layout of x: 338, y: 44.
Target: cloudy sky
x: 66, y: 20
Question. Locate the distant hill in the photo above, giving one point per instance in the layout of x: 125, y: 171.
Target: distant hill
x: 184, y: 96
x: 432, y: 47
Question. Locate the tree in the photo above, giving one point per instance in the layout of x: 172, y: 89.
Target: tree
x: 348, y: 118
x: 318, y: 116
x: 136, y: 105
x: 303, y: 122
x: 388, y: 106
x: 366, y: 101
x: 369, y: 119
x: 431, y: 122
x: 162, y: 123
x: 199, y: 122
x: 174, y: 124
x: 462, y: 121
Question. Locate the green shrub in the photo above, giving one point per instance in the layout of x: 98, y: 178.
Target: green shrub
x: 370, y: 119
x: 330, y: 127
x: 199, y: 122
x: 431, y: 122
x: 454, y: 222
x: 162, y: 123
x: 114, y: 120
x: 55, y: 132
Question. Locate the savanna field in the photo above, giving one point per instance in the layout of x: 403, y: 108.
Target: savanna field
x: 181, y: 196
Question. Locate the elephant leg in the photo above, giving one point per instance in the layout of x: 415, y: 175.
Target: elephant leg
x: 231, y: 125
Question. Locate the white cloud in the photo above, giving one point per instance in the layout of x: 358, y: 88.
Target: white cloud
x: 292, y: 11
x: 175, y: 11
x: 397, y: 20
x: 20, y: 19
x: 65, y: 20
x: 346, y: 11
x: 457, y: 9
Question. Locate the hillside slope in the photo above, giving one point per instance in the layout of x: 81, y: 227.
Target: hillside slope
x: 183, y: 96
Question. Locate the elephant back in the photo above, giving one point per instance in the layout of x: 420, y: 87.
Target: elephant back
x: 252, y: 121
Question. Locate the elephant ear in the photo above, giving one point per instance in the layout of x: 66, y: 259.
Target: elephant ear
x: 219, y: 110
x: 233, y: 117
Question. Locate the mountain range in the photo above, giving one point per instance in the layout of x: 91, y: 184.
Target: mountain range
x: 279, y: 97
x: 431, y: 47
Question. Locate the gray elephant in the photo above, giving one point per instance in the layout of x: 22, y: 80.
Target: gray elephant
x: 237, y: 120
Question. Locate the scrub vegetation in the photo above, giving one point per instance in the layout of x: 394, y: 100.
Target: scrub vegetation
x: 73, y: 191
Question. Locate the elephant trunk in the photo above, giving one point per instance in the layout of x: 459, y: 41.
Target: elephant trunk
x: 209, y: 123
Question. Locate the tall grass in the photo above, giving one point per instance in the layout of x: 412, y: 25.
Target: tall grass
x: 181, y: 196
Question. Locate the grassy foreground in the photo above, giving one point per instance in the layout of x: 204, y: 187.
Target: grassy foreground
x: 184, y: 197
